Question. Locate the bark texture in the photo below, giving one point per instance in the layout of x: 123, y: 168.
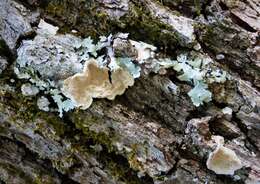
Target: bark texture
x: 152, y: 133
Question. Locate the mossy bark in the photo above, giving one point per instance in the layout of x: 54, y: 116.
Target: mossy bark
x: 122, y: 141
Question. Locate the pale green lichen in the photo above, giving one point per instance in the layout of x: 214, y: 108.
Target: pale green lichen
x: 190, y: 73
x: 43, y: 104
x: 63, y: 105
x: 86, y: 48
x: 128, y: 64
x: 49, y: 59
x: 197, y: 70
x: 200, y: 94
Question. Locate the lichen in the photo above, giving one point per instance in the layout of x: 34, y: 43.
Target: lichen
x: 128, y: 65
x: 200, y: 94
x: 227, y: 110
x: 66, y: 67
x: 43, y: 104
x: 51, y: 59
x: 63, y: 105
x: 197, y: 70
x: 29, y: 90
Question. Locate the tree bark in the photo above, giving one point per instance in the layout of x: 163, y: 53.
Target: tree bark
x: 150, y: 134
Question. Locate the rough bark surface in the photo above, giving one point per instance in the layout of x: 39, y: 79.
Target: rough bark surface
x: 151, y: 133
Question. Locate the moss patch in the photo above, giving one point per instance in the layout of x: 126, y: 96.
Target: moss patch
x: 84, y: 121
x: 87, y: 18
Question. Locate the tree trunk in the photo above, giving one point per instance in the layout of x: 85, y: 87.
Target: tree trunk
x: 153, y: 133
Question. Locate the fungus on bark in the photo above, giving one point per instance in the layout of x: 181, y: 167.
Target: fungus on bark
x: 223, y: 160
x: 94, y: 82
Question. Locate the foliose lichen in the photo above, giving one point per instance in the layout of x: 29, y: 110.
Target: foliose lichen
x: 197, y: 70
x: 61, y: 66
x: 50, y: 59
x: 43, y: 104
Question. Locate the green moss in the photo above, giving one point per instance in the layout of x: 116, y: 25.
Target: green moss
x: 121, y: 173
x: 63, y: 165
x: 86, y: 17
x: 132, y: 157
x: 197, y: 6
x: 84, y: 121
x: 55, y: 122
x: 83, y: 16
x: 27, y: 110
x: 43, y: 179
x: 141, y: 26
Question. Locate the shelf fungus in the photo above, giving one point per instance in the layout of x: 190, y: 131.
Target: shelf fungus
x: 223, y: 160
x: 95, y: 82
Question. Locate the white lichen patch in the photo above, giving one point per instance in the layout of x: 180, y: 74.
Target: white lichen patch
x: 223, y: 160
x: 29, y: 90
x: 144, y: 50
x: 43, y: 104
x: 94, y: 82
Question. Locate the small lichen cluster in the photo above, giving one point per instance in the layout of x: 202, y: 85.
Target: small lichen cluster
x: 197, y: 70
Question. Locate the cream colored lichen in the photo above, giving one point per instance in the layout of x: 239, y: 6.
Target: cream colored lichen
x: 223, y: 160
x: 94, y: 83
